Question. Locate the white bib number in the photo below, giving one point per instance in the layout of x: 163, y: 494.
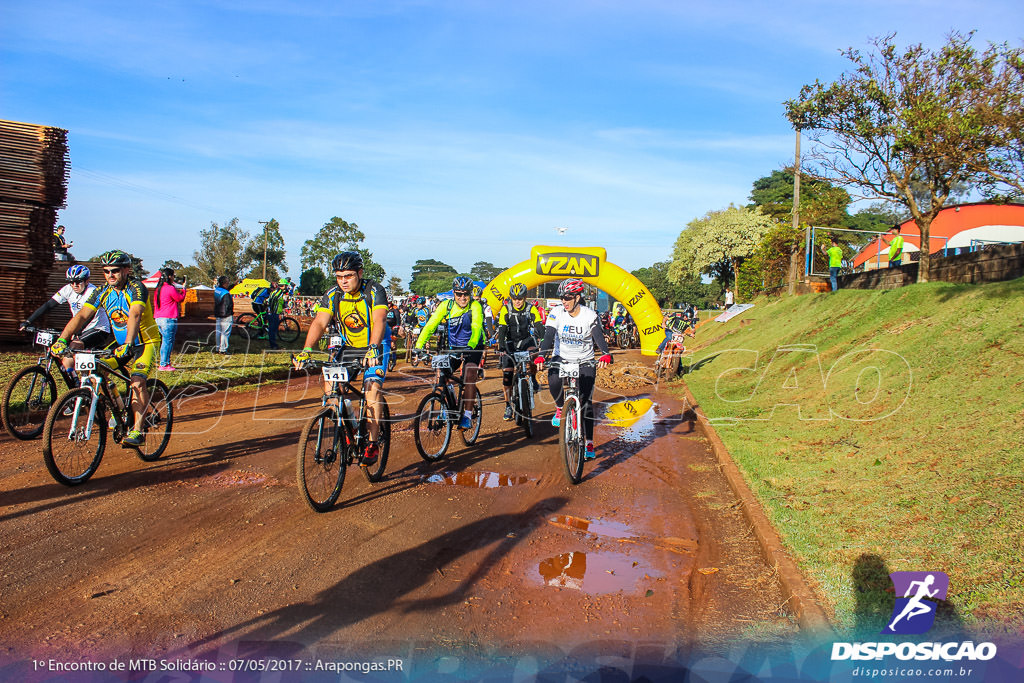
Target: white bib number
x: 85, y: 362
x: 678, y: 338
x: 334, y: 342
x: 441, y: 362
x: 521, y: 356
x: 569, y: 370
x: 335, y: 373
x: 44, y: 338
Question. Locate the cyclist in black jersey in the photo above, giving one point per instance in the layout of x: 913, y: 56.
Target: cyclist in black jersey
x: 519, y: 327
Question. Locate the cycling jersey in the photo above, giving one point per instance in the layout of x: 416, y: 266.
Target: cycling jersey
x: 116, y: 304
x: 354, y: 312
x: 260, y: 295
x: 422, y: 316
x: 465, y: 326
x: 516, y: 325
x: 574, y: 337
x: 394, y: 317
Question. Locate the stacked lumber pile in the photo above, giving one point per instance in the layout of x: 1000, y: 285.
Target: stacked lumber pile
x: 34, y: 169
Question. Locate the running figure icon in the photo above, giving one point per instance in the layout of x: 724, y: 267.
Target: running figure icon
x: 920, y: 591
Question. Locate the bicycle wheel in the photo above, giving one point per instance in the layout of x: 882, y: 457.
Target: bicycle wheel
x: 392, y: 359
x: 320, y: 467
x: 414, y: 359
x: 288, y: 330
x: 469, y: 435
x: 659, y: 367
x: 673, y: 364
x: 27, y: 399
x: 570, y: 440
x: 244, y: 319
x: 525, y: 409
x: 376, y: 472
x: 156, y: 426
x: 432, y: 427
x: 72, y: 451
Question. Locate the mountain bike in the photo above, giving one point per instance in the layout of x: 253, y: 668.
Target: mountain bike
x: 522, y: 391
x: 670, y: 357
x: 572, y: 439
x: 626, y: 336
x: 256, y: 324
x: 32, y: 390
x: 75, y: 434
x: 337, y: 436
x: 440, y: 411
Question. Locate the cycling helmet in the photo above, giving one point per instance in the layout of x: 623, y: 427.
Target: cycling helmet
x: 477, y: 292
x: 570, y: 286
x: 284, y: 281
x: 347, y: 260
x: 517, y: 291
x: 116, y: 257
x: 462, y: 284
x: 77, y: 274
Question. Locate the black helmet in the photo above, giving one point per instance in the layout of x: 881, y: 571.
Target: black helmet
x: 116, y: 257
x: 347, y: 260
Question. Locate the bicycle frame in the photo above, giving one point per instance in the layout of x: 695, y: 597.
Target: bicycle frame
x: 522, y: 375
x: 94, y: 382
x: 339, y: 390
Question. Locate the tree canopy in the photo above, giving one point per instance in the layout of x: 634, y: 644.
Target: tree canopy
x: 941, y: 120
x: 430, y: 276
x: 670, y: 294
x: 253, y: 254
x: 313, y: 282
x: 721, y: 239
x: 338, y: 235
x: 221, y: 251
x: 482, y: 270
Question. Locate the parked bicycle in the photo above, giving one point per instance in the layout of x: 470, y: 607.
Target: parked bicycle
x: 670, y: 357
x: 572, y: 439
x: 75, y: 434
x: 522, y: 391
x: 337, y: 436
x: 440, y: 410
x: 32, y: 390
x: 256, y: 325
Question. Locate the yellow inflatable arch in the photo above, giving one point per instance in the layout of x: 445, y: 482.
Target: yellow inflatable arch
x: 590, y: 264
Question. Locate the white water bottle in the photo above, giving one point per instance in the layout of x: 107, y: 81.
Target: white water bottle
x: 350, y: 418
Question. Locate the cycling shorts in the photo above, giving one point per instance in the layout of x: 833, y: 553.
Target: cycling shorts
x: 141, y: 366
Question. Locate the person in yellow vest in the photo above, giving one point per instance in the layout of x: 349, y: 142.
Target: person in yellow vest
x: 835, y: 262
x: 895, y: 247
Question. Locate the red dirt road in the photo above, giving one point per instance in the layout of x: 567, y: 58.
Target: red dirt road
x: 488, y: 555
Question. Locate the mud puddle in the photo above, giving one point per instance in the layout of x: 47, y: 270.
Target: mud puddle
x: 595, y: 572
x: 478, y: 480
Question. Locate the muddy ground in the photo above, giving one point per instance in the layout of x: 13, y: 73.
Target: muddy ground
x: 479, y: 560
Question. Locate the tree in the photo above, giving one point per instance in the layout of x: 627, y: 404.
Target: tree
x: 430, y: 276
x: 395, y: 288
x: 669, y: 294
x: 313, y: 282
x: 482, y: 270
x: 338, y: 235
x: 271, y: 238
x: 726, y: 236
x: 942, y: 119
x: 221, y: 251
x: 821, y: 202
x: 176, y: 266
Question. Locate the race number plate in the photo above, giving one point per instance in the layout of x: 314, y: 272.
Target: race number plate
x: 521, y: 356
x: 678, y: 338
x: 441, y: 362
x: 334, y: 342
x: 85, y: 362
x: 335, y: 373
x: 569, y: 370
x: 44, y: 338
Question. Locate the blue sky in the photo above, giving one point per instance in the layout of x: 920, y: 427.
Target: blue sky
x: 462, y: 131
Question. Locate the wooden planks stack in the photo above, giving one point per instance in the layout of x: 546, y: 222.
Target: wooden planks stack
x: 34, y: 169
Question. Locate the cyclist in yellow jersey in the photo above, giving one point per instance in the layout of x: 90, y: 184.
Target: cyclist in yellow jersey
x: 464, y: 322
x: 130, y: 310
x: 359, y: 308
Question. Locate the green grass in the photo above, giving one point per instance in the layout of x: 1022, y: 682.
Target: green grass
x: 882, y: 431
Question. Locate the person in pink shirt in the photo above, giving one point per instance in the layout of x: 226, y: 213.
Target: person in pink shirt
x: 166, y: 300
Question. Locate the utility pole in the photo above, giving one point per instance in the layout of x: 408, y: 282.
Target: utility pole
x: 264, y: 224
x: 793, y: 259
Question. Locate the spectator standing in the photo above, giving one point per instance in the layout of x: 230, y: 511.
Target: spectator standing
x: 895, y: 247
x: 166, y: 300
x: 728, y: 297
x: 835, y: 262
x: 60, y: 245
x: 224, y: 313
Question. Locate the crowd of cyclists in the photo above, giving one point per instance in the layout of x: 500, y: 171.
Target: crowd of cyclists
x: 364, y: 327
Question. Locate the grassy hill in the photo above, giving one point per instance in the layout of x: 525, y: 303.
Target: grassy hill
x: 882, y: 431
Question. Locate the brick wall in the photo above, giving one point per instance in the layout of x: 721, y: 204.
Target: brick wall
x: 993, y: 264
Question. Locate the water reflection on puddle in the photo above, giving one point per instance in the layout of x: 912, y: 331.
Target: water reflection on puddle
x: 598, y: 527
x: 635, y: 419
x: 479, y: 480
x: 601, y: 572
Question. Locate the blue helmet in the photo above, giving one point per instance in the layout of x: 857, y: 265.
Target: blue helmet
x: 462, y: 284
x: 77, y: 274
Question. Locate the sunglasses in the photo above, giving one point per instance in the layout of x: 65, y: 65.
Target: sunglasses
x: 461, y: 293
x: 567, y: 297
x: 111, y: 271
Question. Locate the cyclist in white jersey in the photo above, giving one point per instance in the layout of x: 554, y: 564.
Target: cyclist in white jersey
x: 97, y: 333
x: 572, y: 331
